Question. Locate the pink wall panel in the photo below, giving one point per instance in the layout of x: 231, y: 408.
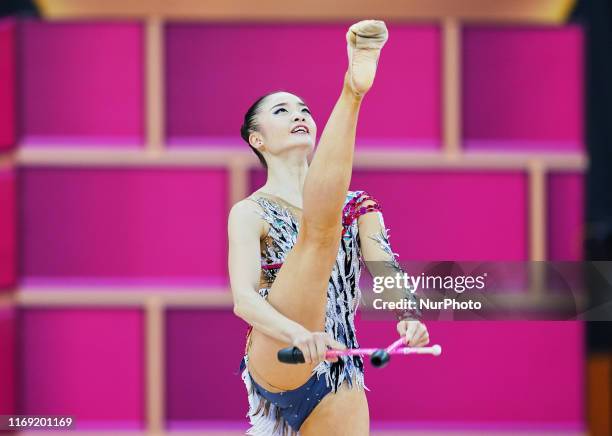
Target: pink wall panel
x: 203, y: 350
x: 82, y: 83
x: 8, y: 360
x: 506, y: 374
x: 522, y: 88
x: 8, y: 237
x: 87, y: 363
x: 565, y: 211
x: 215, y: 72
x: 436, y: 215
x: 8, y: 119
x: 154, y: 226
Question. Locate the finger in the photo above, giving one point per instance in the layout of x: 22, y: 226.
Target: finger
x: 410, y: 331
x: 401, y: 328
x: 422, y: 339
x: 321, y: 349
x: 422, y: 342
x: 422, y: 335
x: 308, y: 352
x: 332, y: 343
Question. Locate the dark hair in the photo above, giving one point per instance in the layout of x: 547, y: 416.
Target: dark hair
x: 249, y: 125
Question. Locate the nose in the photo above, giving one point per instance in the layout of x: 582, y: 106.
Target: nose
x: 299, y: 117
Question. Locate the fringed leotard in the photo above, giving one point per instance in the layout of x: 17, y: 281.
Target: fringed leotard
x: 283, y: 413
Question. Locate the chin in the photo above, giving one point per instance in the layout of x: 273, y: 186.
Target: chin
x: 306, y: 143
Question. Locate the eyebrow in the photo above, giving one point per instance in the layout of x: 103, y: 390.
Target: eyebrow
x: 285, y: 104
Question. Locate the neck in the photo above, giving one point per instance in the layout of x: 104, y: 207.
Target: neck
x: 286, y: 177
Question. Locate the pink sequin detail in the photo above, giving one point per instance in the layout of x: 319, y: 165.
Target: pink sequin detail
x: 271, y: 266
x: 354, y: 209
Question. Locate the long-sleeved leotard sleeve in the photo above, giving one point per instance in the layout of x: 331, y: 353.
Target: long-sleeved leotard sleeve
x: 376, y: 251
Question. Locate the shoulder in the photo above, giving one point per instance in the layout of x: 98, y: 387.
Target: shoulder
x: 246, y: 208
x: 245, y: 214
x: 358, y: 204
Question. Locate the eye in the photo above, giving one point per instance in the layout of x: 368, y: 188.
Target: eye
x: 279, y: 110
x: 306, y: 110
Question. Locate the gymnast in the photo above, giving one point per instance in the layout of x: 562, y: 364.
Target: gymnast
x: 294, y: 258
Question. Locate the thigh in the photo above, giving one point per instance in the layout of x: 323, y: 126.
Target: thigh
x: 299, y: 290
x: 300, y: 293
x: 330, y: 416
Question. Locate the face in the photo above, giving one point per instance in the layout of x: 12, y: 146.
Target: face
x: 284, y: 123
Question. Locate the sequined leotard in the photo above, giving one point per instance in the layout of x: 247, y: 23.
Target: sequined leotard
x: 343, y: 297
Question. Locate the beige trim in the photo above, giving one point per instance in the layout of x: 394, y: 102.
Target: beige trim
x: 154, y: 332
x: 540, y: 11
x: 451, y: 86
x: 537, y: 228
x: 154, y: 90
x: 7, y: 159
x: 238, y: 179
x: 222, y: 299
x: 537, y: 210
x: 56, y: 296
x: 66, y: 156
x: 223, y: 157
x: 7, y: 298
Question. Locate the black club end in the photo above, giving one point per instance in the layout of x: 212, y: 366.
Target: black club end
x: 380, y: 358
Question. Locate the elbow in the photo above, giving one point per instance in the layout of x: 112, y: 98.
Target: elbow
x: 243, y: 304
x: 240, y: 309
x: 237, y: 310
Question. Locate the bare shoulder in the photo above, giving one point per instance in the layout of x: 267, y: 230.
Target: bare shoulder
x: 246, y: 210
x: 245, y: 216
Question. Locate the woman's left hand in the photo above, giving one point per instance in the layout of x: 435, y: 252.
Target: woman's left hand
x: 414, y: 332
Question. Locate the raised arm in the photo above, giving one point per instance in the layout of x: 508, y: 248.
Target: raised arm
x: 244, y: 230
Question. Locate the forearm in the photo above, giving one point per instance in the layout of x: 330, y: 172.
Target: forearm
x: 382, y: 262
x: 400, y: 292
x: 260, y: 314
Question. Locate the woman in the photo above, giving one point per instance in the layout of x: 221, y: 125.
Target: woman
x: 295, y: 243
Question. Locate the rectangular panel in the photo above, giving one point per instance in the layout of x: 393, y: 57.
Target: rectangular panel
x: 8, y: 118
x: 8, y: 237
x: 82, y: 83
x: 216, y: 71
x: 502, y: 375
x: 161, y: 225
x: 522, y: 88
x: 204, y: 349
x: 446, y: 215
x: 565, y: 212
x: 87, y: 363
x: 8, y: 360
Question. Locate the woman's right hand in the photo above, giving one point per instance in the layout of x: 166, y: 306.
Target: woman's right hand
x: 313, y: 345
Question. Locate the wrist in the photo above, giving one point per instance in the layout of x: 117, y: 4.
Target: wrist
x: 294, y: 330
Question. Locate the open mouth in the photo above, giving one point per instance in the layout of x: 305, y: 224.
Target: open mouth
x: 300, y: 130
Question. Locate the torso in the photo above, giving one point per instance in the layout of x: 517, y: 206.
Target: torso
x: 280, y: 233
